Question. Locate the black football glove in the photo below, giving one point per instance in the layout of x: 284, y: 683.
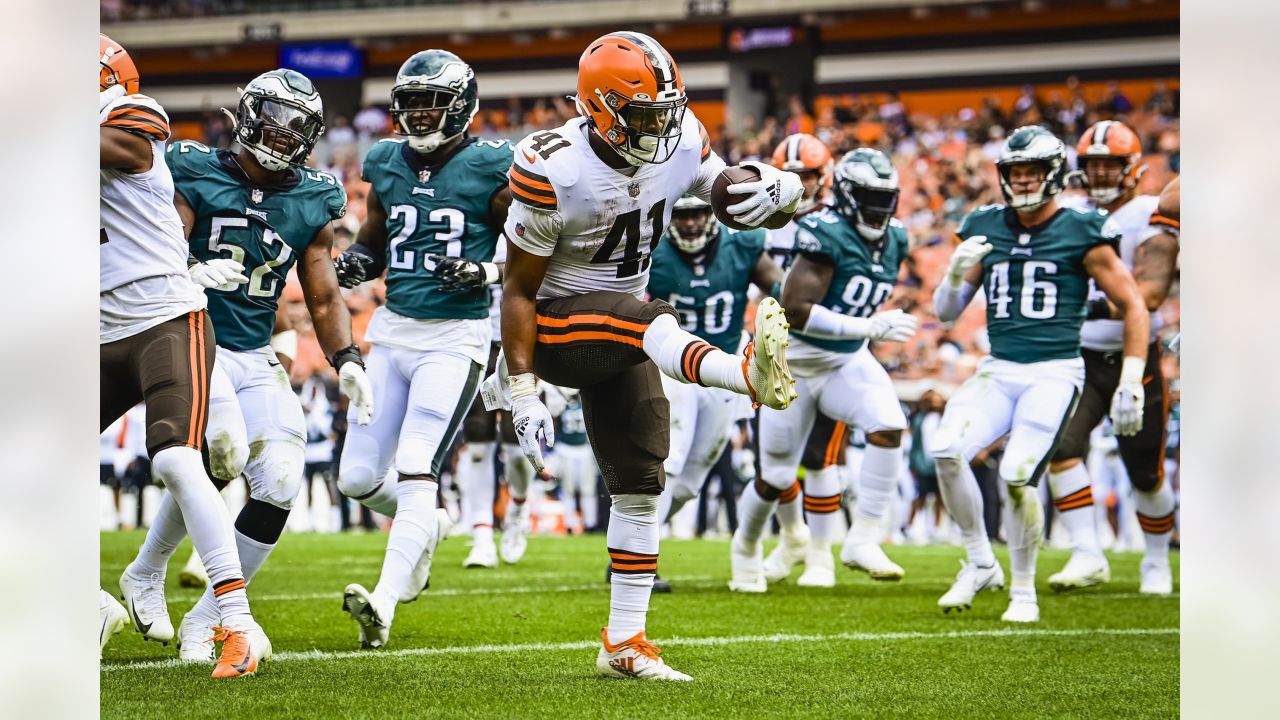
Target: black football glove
x: 459, y: 273
x: 354, y: 267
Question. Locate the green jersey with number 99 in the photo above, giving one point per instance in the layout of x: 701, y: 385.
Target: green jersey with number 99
x: 709, y: 295
x: 864, y: 272
x: 1035, y: 280
x: 265, y: 229
x: 437, y: 210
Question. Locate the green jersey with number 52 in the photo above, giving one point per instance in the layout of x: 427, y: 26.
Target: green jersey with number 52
x: 1035, y: 281
x: 437, y: 210
x: 711, y: 296
x: 864, y: 273
x: 265, y: 229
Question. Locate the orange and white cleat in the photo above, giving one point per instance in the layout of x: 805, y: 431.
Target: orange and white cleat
x: 635, y: 658
x: 242, y: 650
x: 764, y: 362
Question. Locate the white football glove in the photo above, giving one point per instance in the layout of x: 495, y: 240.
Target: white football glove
x: 774, y: 191
x: 530, y: 417
x: 110, y: 95
x: 966, y: 255
x: 1126, y: 403
x: 892, y: 325
x: 218, y: 274
x: 354, y: 383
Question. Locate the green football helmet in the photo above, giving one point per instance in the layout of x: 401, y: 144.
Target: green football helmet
x: 866, y: 190
x: 433, y: 80
x: 1033, y: 144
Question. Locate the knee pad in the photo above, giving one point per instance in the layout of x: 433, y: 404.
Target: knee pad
x: 275, y: 476
x: 946, y: 444
x: 414, y: 457
x: 1020, y: 470
x: 631, y: 504
x: 357, y: 480
x: 227, y: 456
x: 949, y: 468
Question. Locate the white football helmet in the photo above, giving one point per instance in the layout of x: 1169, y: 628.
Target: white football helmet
x: 279, y: 119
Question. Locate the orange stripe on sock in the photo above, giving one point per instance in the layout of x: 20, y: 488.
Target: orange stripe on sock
x: 227, y: 587
x: 790, y: 493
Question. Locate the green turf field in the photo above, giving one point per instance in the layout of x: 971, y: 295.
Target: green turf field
x: 520, y: 642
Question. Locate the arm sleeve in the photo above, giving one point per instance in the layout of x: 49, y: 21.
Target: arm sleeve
x: 826, y: 323
x: 949, y: 302
x: 534, y: 230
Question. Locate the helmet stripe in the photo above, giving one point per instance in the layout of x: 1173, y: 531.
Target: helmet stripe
x: 1100, y: 133
x: 664, y: 68
x: 793, y: 148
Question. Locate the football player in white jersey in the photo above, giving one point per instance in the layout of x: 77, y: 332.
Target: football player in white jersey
x: 1110, y: 156
x: 157, y: 345
x: 592, y: 198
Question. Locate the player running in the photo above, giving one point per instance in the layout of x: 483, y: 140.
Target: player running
x: 157, y: 345
x: 592, y: 198
x: 435, y: 211
x: 1033, y: 260
x: 1110, y: 155
x: 845, y: 266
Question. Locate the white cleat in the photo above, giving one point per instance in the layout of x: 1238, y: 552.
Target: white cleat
x: 1157, y: 578
x: 636, y: 658
x: 869, y: 557
x: 793, y: 547
x: 819, y: 569
x: 1081, y: 571
x: 374, y: 621
x: 765, y: 362
x: 970, y: 581
x: 515, y: 534
x: 113, y: 618
x: 421, y: 576
x: 193, y: 574
x: 483, y: 555
x: 195, y: 638
x: 144, y: 598
x: 1022, y: 607
x: 747, y: 566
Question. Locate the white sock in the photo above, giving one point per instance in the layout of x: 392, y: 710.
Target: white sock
x: 633, y: 554
x: 684, y: 356
x: 960, y: 493
x: 1156, y: 516
x: 790, y: 514
x: 482, y: 534
x: 822, y: 496
x: 253, y: 555
x: 876, y: 482
x: 412, y: 528
x: 475, y: 476
x: 166, y: 533
x: 519, y: 471
x: 1024, y: 523
x: 1073, y: 498
x: 205, y: 516
x: 753, y: 513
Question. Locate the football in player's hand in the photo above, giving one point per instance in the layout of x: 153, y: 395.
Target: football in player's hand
x: 721, y: 199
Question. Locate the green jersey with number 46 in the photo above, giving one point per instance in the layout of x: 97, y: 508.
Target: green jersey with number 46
x: 265, y: 229
x: 864, y: 272
x: 1035, y: 280
x: 709, y: 295
x: 437, y: 210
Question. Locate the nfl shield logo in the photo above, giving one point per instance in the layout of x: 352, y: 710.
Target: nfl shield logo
x: 256, y: 196
x: 634, y: 189
x: 519, y: 230
x: 424, y: 176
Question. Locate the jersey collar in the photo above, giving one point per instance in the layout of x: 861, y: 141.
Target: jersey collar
x: 417, y: 164
x: 227, y: 160
x: 1015, y: 224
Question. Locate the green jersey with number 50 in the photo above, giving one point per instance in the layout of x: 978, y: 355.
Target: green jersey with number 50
x: 1035, y: 280
x: 711, y: 295
x: 265, y: 229
x: 437, y: 210
x: 864, y: 272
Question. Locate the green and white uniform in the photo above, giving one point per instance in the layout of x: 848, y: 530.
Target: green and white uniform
x: 709, y: 293
x: 429, y: 345
x: 838, y: 377
x: 256, y: 424
x: 1036, y: 287
x: 574, y: 465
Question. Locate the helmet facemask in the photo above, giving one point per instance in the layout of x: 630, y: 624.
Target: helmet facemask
x: 1042, y: 194
x: 644, y: 131
x: 693, y: 225
x: 412, y: 110
x: 279, y: 132
x: 1110, y: 178
x: 866, y: 190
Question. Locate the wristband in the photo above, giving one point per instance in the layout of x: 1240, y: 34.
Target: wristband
x: 344, y: 356
x: 491, y: 274
x: 522, y: 386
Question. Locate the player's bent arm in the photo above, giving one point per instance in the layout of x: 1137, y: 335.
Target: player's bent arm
x: 284, y: 339
x: 329, y: 313
x: 950, y: 299
x: 372, y: 235
x: 1112, y: 277
x: 766, y: 274
x: 806, y: 284
x: 122, y: 150
x: 1155, y: 264
x: 519, y: 307
x: 1170, y: 205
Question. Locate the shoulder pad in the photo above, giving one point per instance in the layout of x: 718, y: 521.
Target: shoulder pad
x: 188, y: 159
x: 137, y: 114
x: 533, y: 179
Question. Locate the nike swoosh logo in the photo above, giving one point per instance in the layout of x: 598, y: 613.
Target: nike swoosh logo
x: 273, y: 363
x: 144, y: 629
x: 244, y: 666
x: 527, y: 156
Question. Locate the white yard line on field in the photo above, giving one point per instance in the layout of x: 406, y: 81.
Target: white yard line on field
x: 716, y: 641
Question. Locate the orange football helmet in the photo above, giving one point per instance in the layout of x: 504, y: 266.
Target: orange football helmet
x: 1110, y: 139
x: 117, y: 67
x: 801, y: 153
x: 630, y: 91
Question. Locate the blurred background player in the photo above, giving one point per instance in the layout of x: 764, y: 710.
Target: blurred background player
x: 157, y: 345
x: 435, y: 210
x: 845, y: 266
x: 574, y: 465
x: 263, y: 209
x: 610, y: 180
x: 1034, y: 261
x: 1110, y: 156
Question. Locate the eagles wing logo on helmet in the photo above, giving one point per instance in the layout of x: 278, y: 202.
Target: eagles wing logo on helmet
x: 434, y: 99
x: 866, y: 190
x: 279, y: 119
